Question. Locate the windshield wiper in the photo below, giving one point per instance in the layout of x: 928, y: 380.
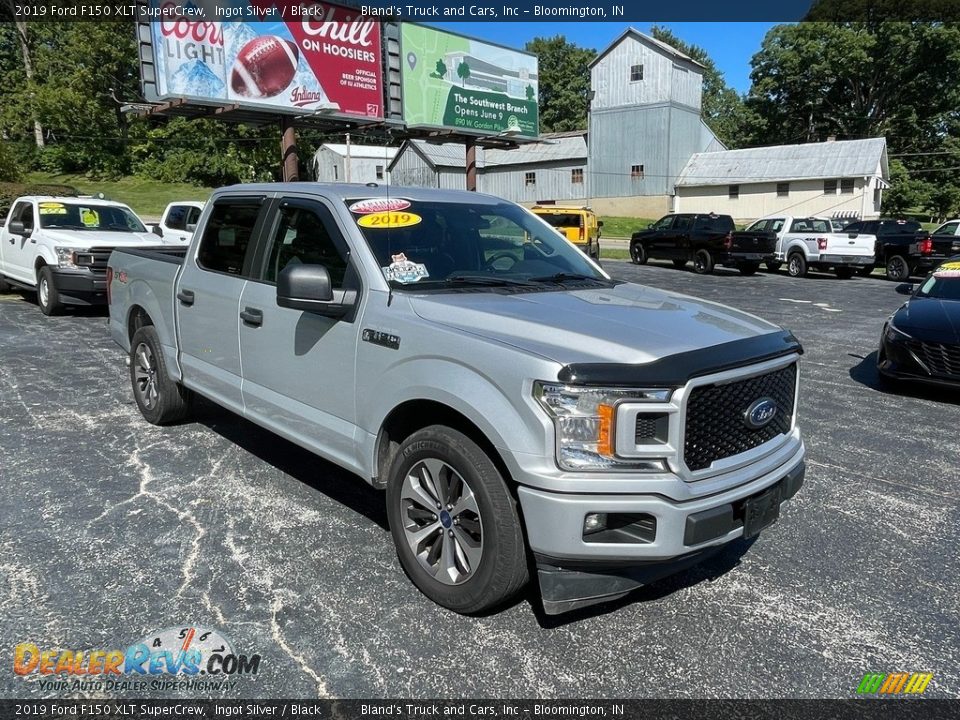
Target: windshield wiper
x: 564, y: 276
x: 466, y: 279
x: 65, y: 226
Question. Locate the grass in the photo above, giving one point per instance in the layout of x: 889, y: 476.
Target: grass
x: 147, y: 197
x: 613, y: 253
x: 623, y: 227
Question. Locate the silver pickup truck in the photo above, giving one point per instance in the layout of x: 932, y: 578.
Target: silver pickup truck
x: 520, y: 408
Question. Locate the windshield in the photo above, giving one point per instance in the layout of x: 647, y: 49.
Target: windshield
x: 805, y: 225
x: 899, y: 226
x: 560, y: 220
x: 78, y: 216
x: 944, y: 283
x: 441, y: 244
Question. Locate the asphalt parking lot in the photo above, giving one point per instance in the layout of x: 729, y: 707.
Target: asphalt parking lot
x: 111, y: 529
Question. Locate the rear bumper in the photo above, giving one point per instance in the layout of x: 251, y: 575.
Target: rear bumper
x: 741, y: 258
x: 842, y: 260
x: 80, y: 287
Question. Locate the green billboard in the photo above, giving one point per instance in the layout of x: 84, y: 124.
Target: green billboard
x: 457, y: 82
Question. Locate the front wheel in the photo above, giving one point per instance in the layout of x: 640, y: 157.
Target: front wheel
x: 47, y: 296
x: 638, y: 254
x: 161, y: 400
x: 749, y: 268
x: 454, y: 522
x: 898, y: 269
x: 844, y: 273
x: 703, y: 262
x: 797, y: 266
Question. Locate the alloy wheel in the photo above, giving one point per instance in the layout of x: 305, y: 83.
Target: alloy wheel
x: 145, y: 373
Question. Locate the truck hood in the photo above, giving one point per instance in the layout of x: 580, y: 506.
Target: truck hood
x: 92, y: 238
x: 627, y: 323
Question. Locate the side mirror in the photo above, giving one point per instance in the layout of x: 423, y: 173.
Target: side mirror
x: 16, y: 228
x: 308, y: 288
x: 905, y: 288
x: 649, y: 226
x: 599, y: 223
x: 852, y: 235
x: 157, y: 230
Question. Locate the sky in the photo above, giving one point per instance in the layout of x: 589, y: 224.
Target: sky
x: 730, y: 44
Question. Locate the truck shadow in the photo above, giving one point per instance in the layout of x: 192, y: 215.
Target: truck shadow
x: 333, y: 481
x: 712, y: 568
x: 865, y: 373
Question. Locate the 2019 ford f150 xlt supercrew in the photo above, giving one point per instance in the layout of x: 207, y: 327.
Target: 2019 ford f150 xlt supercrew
x: 453, y: 349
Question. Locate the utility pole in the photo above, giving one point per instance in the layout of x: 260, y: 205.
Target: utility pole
x: 346, y: 170
x: 288, y: 149
x: 471, y: 162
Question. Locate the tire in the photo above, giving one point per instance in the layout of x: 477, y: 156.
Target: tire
x: 898, y: 269
x: 749, y: 268
x: 638, y: 254
x: 866, y: 271
x: 703, y: 262
x: 488, y: 524
x: 797, y: 266
x: 679, y: 264
x: 161, y: 400
x: 774, y: 267
x: 47, y: 296
x: 844, y: 273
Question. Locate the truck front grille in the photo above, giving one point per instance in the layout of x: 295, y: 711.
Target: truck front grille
x: 95, y: 259
x: 716, y: 426
x: 940, y: 358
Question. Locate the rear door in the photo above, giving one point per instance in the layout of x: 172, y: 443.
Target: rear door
x: 299, y: 367
x: 208, y: 298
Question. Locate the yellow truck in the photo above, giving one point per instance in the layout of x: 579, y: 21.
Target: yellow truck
x: 578, y: 224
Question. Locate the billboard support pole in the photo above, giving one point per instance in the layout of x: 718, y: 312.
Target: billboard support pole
x: 288, y: 150
x: 471, y: 162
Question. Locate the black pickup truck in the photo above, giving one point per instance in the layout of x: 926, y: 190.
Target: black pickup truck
x: 903, y: 248
x: 708, y: 240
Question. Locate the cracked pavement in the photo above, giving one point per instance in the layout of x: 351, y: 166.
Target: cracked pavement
x: 112, y: 528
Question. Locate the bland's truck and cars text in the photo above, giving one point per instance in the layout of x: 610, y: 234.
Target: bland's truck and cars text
x: 454, y: 350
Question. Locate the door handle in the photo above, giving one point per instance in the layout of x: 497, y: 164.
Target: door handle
x: 252, y: 316
x: 186, y: 297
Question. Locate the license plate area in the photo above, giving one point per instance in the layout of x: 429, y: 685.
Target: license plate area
x: 761, y: 511
x: 754, y: 256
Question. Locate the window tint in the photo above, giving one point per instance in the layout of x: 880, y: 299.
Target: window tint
x: 854, y: 228
x: 663, y: 223
x: 776, y: 225
x: 758, y: 226
x: 949, y: 228
x: 716, y: 223
x: 23, y: 212
x: 303, y: 236
x: 227, y: 236
x: 889, y: 227
x: 193, y: 216
x: 683, y: 222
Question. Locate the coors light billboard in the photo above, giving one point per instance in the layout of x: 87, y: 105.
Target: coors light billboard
x: 309, y: 56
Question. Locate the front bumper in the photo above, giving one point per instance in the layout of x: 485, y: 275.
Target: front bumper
x: 80, y: 286
x: 575, y: 572
x: 896, y: 360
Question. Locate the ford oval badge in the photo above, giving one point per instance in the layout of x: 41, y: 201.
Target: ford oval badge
x: 760, y: 413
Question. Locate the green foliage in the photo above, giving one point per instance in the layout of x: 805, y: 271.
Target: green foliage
x: 441, y: 68
x: 564, y: 76
x: 10, y: 191
x: 9, y: 169
x: 463, y: 71
x: 905, y: 193
x: 723, y: 108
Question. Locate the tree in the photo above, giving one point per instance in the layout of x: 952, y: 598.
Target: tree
x: 906, y: 193
x: 723, y: 109
x: 564, y: 83
x: 9, y: 169
x: 441, y: 68
x: 529, y: 92
x: 463, y: 71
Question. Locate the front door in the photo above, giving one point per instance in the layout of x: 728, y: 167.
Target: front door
x: 298, y: 367
x: 19, y: 251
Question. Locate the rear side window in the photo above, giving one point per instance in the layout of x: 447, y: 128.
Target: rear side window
x: 228, y: 235
x: 949, y: 229
x: 889, y: 227
x: 716, y: 223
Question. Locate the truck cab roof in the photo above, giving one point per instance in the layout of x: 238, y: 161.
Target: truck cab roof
x: 355, y: 191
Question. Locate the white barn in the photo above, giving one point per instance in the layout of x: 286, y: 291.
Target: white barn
x: 368, y: 163
x: 842, y: 178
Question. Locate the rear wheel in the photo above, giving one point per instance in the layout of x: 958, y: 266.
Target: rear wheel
x: 774, y: 266
x: 161, y: 400
x: 749, y: 268
x: 679, y: 264
x: 638, y: 254
x: 47, y: 296
x: 797, y: 265
x: 454, y: 522
x: 703, y: 262
x: 898, y: 269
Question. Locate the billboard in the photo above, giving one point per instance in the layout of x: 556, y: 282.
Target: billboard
x: 460, y: 83
x: 278, y: 54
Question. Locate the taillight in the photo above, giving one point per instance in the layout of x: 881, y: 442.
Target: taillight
x: 821, y: 243
x: 728, y: 241
x: 109, y: 283
x: 925, y: 246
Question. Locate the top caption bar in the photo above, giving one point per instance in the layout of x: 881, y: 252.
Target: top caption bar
x: 625, y: 11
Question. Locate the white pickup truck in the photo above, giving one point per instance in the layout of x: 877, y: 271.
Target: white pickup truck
x: 178, y: 221
x: 809, y: 243
x: 59, y: 247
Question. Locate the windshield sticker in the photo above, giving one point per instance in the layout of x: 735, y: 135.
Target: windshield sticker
x: 404, y: 271
x: 377, y: 205
x: 389, y: 220
x: 52, y: 208
x: 948, y: 270
x: 90, y: 218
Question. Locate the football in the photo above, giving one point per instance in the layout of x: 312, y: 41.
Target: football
x: 264, y: 67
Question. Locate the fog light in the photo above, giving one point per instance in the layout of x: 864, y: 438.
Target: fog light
x: 594, y: 522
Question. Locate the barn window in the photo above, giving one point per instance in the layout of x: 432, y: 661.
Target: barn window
x: 829, y: 187
x: 846, y: 186
x: 335, y: 173
x: 379, y: 172
x: 530, y: 178
x: 636, y: 172
x: 783, y: 189
x: 636, y: 73
x: 733, y: 192
x: 576, y: 176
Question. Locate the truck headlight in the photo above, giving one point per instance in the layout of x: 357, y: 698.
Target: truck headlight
x: 65, y: 258
x: 584, y: 419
